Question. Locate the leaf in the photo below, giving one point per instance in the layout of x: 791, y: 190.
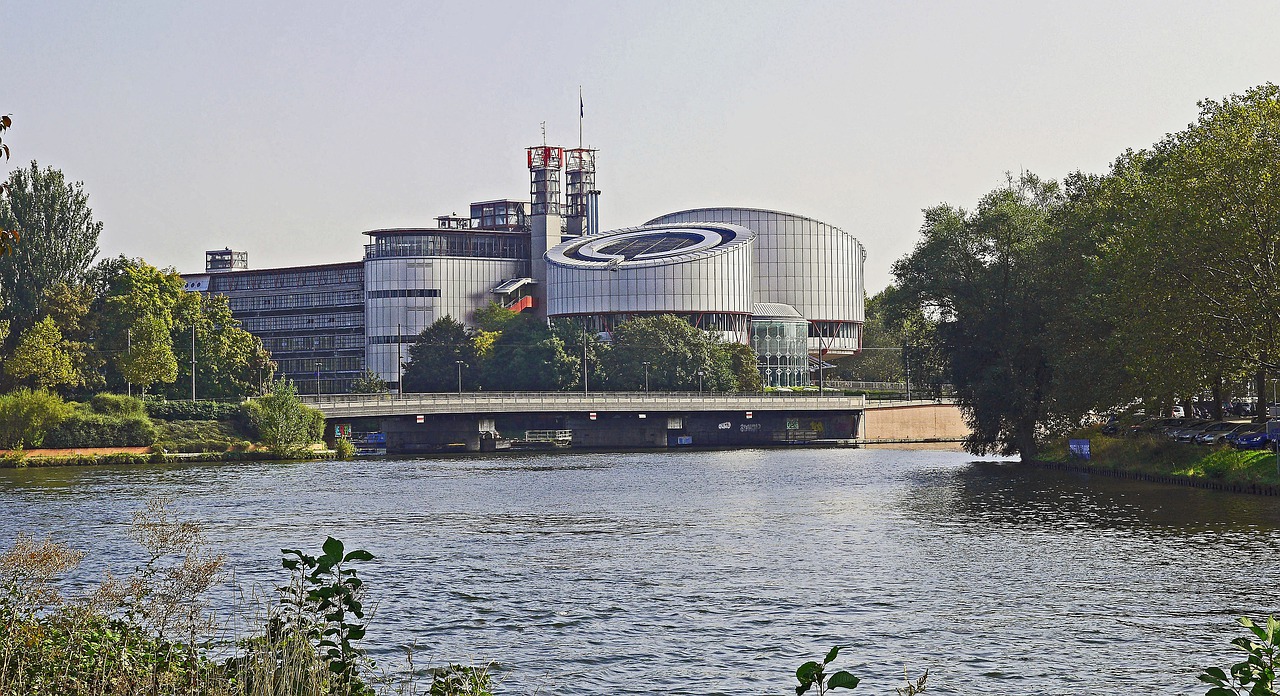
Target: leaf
x: 831, y: 655
x: 1215, y: 674
x: 842, y: 680
x: 358, y: 555
x: 806, y: 672
x: 1218, y: 691
x: 332, y: 548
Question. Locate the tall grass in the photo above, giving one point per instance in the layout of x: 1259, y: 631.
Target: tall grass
x: 152, y: 633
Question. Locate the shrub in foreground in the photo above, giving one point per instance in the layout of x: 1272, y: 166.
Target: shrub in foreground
x: 27, y: 415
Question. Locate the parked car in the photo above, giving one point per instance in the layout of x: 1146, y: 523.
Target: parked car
x: 1255, y: 438
x: 1218, y: 432
x: 1157, y: 425
x: 1189, y: 432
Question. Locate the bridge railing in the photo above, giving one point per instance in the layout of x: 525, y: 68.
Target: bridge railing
x: 571, y: 401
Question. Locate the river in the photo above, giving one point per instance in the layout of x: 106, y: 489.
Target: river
x: 720, y: 572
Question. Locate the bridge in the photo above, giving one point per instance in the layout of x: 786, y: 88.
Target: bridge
x: 479, y: 420
x: 338, y: 406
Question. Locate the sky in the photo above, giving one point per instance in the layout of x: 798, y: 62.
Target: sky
x: 286, y: 129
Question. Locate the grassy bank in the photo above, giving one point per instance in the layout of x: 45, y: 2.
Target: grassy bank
x: 21, y: 460
x: 1156, y: 458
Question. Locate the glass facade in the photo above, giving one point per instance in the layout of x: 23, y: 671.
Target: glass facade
x: 782, y: 351
x: 311, y: 319
x: 457, y: 243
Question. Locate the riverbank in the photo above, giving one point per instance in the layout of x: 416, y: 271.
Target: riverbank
x: 1159, y: 460
x: 102, y: 456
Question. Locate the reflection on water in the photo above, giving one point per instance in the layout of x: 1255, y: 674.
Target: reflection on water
x: 710, y: 573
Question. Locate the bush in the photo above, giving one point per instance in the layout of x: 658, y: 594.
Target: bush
x: 198, y: 436
x: 81, y: 429
x: 343, y: 448
x: 27, y: 416
x: 282, y: 422
x: 193, y: 410
x: 117, y: 405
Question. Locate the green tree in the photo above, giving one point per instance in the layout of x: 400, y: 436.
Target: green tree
x: 284, y: 424
x: 494, y: 317
x: 138, y: 323
x: 676, y: 351
x: 433, y: 358
x: 369, y: 383
x: 26, y: 416
x: 41, y: 359
x: 979, y: 274
x: 230, y: 362
x: 59, y: 240
x: 149, y: 358
x: 745, y: 367
x: 528, y: 357
x: 881, y: 359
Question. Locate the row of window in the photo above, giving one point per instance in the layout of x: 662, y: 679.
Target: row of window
x: 407, y: 292
x: 312, y: 321
x: 295, y: 343
x: 295, y: 301
x: 321, y: 365
x: 229, y: 282
x: 470, y: 244
x: 386, y: 340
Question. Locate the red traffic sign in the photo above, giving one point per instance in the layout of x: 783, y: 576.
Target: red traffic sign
x: 748, y: 414
x: 422, y: 419
x: 592, y: 415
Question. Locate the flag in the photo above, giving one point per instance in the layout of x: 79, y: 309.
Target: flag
x: 581, y: 110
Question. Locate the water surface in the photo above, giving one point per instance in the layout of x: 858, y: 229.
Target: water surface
x: 719, y: 572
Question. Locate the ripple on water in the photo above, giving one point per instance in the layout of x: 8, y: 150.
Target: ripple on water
x: 719, y: 572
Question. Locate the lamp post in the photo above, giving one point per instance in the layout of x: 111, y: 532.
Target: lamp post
x: 193, y: 360
x: 459, y: 363
x: 700, y: 374
x: 646, y: 375
x: 319, y: 364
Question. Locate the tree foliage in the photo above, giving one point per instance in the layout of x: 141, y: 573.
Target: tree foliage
x: 434, y: 357
x: 283, y: 423
x: 41, y: 358
x: 677, y: 353
x: 978, y: 274
x: 526, y: 356
x: 59, y: 240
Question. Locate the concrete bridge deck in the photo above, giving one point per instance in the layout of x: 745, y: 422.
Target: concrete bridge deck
x: 375, y: 405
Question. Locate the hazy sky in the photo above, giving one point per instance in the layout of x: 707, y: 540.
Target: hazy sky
x: 287, y: 129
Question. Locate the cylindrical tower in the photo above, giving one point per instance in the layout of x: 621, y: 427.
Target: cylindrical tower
x: 701, y: 273
x: 579, y: 182
x: 544, y: 189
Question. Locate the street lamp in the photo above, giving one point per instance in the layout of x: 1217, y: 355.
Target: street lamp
x: 318, y: 366
x: 700, y: 374
x: 459, y: 363
x: 646, y: 374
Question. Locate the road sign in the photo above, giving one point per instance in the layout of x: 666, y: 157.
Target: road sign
x: 422, y: 419
x: 592, y: 415
x: 1079, y: 448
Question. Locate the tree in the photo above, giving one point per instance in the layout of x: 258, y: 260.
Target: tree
x: 433, y: 358
x: 368, y: 383
x: 676, y: 351
x: 41, y: 359
x: 494, y: 317
x: 745, y: 367
x: 284, y: 423
x: 979, y: 275
x: 26, y: 416
x: 881, y: 359
x: 59, y: 240
x: 138, y: 322
x: 149, y: 359
x: 230, y: 362
x: 528, y: 357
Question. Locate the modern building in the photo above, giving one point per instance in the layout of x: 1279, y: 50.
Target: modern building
x: 788, y: 285
x: 310, y: 318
